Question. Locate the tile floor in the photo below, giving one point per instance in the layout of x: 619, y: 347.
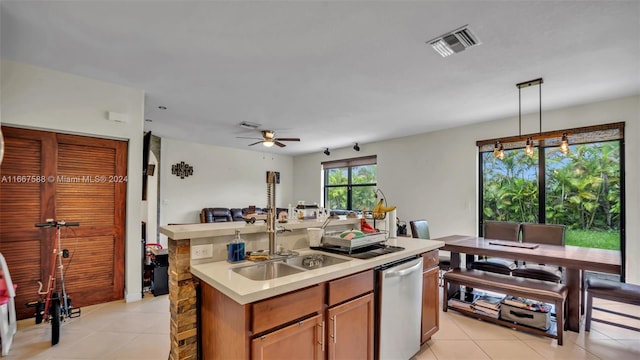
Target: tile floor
x: 140, y: 330
x: 115, y: 330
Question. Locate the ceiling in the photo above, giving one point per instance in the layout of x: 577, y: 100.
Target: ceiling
x: 332, y: 73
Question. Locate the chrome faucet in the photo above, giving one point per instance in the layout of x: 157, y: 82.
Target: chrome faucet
x: 271, y: 209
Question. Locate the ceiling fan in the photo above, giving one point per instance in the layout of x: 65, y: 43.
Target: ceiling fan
x: 269, y: 139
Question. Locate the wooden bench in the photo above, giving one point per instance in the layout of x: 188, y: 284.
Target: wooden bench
x: 522, y: 287
x: 613, y: 291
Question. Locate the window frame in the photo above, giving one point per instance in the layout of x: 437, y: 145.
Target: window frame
x: 349, y: 164
x: 582, y: 135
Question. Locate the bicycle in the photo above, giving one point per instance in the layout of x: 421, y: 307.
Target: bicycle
x: 50, y: 307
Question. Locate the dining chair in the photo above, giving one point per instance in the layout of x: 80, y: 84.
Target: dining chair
x: 420, y: 230
x: 7, y: 307
x: 550, y: 234
x: 498, y: 230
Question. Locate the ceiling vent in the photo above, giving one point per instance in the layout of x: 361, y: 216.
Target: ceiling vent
x: 454, y: 41
x: 249, y: 125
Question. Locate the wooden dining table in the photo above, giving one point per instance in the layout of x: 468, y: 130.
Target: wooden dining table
x: 572, y: 258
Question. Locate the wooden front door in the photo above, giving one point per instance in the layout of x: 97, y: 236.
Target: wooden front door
x: 45, y: 175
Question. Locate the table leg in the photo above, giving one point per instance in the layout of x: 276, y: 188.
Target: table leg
x: 572, y: 281
x: 455, y: 264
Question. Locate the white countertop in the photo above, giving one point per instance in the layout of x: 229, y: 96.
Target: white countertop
x: 193, y: 231
x: 243, y: 290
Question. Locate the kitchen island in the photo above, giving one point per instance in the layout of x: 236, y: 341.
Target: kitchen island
x: 231, y: 302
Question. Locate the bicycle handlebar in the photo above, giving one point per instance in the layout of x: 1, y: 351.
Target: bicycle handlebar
x: 57, y: 224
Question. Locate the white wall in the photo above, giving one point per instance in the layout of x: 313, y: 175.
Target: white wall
x: 435, y: 175
x: 40, y: 98
x: 222, y: 177
x: 149, y: 211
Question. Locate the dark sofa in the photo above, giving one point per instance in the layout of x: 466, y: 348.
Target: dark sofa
x: 222, y: 214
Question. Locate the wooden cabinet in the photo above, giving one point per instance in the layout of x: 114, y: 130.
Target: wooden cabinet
x: 330, y: 320
x: 430, y: 295
x: 293, y: 325
x: 349, y: 319
x: 350, y: 329
x: 305, y: 336
x: 231, y: 330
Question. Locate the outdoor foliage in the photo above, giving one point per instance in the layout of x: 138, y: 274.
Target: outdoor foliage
x: 361, y: 188
x: 582, y: 188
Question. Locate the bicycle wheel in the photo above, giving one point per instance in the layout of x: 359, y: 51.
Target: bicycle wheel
x: 39, y: 311
x: 55, y: 321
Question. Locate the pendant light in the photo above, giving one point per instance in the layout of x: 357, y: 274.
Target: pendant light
x: 564, y: 144
x: 498, y: 150
x: 528, y: 149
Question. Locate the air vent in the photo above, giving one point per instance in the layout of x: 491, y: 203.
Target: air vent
x: 249, y: 125
x: 454, y: 41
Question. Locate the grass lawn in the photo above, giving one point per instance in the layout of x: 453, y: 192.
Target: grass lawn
x: 593, y: 239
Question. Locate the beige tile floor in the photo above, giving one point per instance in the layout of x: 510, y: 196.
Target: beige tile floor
x: 140, y: 330
x: 115, y: 330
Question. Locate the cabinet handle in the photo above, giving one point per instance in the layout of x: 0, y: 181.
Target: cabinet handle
x: 335, y: 334
x: 322, y: 335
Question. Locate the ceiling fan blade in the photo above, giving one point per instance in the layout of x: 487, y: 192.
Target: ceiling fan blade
x: 279, y: 143
x: 255, y: 143
x: 247, y: 137
x: 288, y: 139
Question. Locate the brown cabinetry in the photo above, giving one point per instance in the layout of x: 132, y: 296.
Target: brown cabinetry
x: 350, y: 324
x: 302, y: 324
x: 430, y: 295
x: 305, y: 336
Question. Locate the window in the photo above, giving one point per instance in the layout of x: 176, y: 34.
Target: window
x: 350, y: 184
x: 583, y: 189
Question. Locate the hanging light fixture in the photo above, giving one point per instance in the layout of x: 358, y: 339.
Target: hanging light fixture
x: 528, y: 149
x: 564, y: 144
x: 498, y: 150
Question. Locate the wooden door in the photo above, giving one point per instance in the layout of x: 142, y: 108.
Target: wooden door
x: 301, y: 340
x: 430, y: 301
x: 350, y: 329
x: 64, y: 177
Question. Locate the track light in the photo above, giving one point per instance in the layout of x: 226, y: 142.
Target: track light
x: 327, y: 152
x: 356, y: 147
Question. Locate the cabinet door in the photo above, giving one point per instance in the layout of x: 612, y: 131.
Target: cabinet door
x: 302, y: 340
x: 430, y: 301
x: 350, y: 329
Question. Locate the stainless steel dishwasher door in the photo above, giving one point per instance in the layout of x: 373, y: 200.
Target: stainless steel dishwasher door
x: 400, y: 308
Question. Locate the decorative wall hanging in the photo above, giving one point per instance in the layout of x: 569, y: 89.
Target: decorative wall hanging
x: 182, y: 169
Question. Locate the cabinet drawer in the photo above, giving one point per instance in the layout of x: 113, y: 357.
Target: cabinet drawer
x: 288, y: 307
x: 349, y: 287
x: 430, y: 259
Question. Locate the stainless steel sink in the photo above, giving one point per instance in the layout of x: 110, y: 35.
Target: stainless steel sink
x: 267, y: 270
x: 273, y: 269
x: 314, y: 261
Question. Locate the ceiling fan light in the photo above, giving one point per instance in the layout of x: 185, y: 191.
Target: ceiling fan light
x: 268, y: 143
x: 528, y: 149
x: 564, y: 144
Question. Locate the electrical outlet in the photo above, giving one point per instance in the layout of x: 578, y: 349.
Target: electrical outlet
x: 201, y: 251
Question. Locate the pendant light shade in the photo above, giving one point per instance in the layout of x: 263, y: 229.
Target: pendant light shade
x: 498, y: 151
x: 528, y: 149
x: 564, y: 144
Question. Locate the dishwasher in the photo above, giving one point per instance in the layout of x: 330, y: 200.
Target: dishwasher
x: 399, y: 309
